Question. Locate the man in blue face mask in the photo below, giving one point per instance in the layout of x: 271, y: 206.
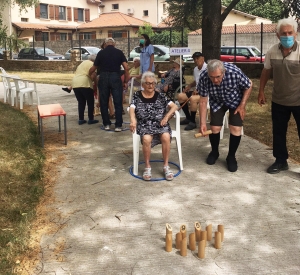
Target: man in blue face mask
x: 283, y: 60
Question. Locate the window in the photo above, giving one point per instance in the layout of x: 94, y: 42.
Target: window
x: 44, y: 11
x: 80, y: 15
x: 24, y: 19
x: 45, y: 36
x: 115, y: 6
x: 87, y: 35
x: 145, y: 12
x: 63, y: 36
x: 62, y: 13
x: 164, y: 8
x: 117, y: 34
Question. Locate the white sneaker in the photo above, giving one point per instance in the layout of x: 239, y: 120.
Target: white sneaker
x: 107, y: 127
x: 118, y: 129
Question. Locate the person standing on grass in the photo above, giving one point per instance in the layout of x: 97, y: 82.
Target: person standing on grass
x: 228, y: 88
x: 108, y: 62
x: 283, y: 60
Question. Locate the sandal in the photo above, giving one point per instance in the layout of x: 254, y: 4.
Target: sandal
x: 147, y: 174
x: 168, y: 173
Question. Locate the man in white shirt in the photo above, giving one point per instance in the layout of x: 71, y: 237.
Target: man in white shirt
x: 192, y: 94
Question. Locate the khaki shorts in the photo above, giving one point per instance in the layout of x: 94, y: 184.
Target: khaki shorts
x: 216, y: 119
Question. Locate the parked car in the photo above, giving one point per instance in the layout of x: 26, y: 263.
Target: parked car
x: 39, y: 53
x: 161, y: 53
x: 85, y: 52
x: 243, y: 54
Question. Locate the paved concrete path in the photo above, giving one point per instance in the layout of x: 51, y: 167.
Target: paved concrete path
x: 114, y: 223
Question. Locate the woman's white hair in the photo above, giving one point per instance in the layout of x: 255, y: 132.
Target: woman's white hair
x: 287, y: 22
x: 136, y: 58
x: 214, y: 64
x: 148, y: 75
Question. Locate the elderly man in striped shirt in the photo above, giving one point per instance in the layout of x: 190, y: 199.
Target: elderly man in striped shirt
x: 227, y: 88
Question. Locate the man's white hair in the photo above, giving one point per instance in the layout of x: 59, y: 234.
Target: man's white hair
x: 287, y: 22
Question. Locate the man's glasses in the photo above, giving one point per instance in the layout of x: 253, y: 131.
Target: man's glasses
x: 150, y: 83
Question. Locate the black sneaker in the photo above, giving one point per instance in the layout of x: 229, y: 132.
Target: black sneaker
x: 93, y: 121
x: 277, y: 167
x: 81, y: 121
x: 184, y: 122
x: 66, y: 90
x: 190, y: 126
x: 212, y: 158
x: 231, y: 164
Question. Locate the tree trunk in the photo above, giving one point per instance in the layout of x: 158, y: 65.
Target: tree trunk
x: 211, y: 29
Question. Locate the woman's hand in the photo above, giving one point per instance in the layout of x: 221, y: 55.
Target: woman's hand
x: 164, y: 121
x: 132, y: 125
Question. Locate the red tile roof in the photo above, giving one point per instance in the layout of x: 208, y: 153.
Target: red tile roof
x: 253, y: 28
x: 30, y: 26
x: 113, y: 19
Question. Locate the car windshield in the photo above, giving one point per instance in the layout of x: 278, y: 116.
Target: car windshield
x: 256, y: 51
x: 47, y: 51
x: 93, y: 50
x: 163, y: 48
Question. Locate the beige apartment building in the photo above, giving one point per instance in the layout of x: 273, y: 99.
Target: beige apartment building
x: 54, y: 20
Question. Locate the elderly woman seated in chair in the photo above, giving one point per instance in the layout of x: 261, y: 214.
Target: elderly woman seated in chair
x: 171, y: 80
x: 149, y: 114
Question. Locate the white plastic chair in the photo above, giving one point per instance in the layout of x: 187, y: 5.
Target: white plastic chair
x: 131, y: 89
x: 225, y: 124
x: 22, y: 87
x: 9, y: 89
x: 136, y: 145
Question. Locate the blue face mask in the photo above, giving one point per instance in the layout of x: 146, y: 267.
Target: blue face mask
x: 287, y: 41
x: 142, y: 41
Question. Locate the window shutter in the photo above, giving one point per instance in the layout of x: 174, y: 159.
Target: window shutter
x: 38, y: 36
x: 37, y: 11
x: 75, y: 10
x: 52, y: 36
x: 56, y: 13
x: 124, y: 34
x: 69, y: 13
x: 81, y: 36
x: 69, y: 36
x: 93, y: 35
x: 87, y: 15
x: 51, y: 12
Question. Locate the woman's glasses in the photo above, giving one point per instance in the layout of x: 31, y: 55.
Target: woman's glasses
x: 150, y: 83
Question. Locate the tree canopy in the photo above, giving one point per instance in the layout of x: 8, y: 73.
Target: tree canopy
x: 270, y: 9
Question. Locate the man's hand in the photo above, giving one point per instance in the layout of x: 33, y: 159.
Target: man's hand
x: 202, y: 129
x: 241, y: 110
x: 261, y: 98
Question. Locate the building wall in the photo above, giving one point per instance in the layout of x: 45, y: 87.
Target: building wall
x: 154, y: 7
x: 252, y: 70
x: 62, y: 46
x: 30, y: 14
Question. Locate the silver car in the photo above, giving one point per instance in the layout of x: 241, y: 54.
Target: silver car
x: 85, y: 52
x: 161, y: 53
